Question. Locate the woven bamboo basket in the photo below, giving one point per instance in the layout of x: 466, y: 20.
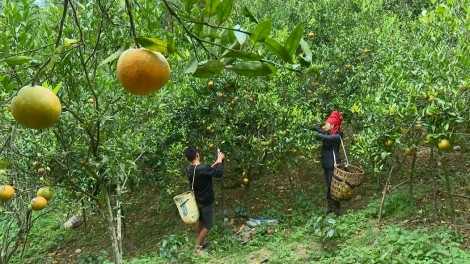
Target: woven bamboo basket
x: 350, y: 174
x: 336, y: 187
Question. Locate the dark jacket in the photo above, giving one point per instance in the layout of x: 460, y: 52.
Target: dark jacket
x: 331, y: 144
x: 203, y: 182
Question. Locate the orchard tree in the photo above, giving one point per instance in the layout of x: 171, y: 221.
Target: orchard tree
x: 71, y: 48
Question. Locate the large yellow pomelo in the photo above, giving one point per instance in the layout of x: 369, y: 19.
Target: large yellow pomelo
x: 6, y: 192
x: 45, y: 192
x: 36, y: 107
x: 141, y: 71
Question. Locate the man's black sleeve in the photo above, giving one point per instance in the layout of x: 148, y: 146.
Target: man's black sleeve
x: 216, y: 172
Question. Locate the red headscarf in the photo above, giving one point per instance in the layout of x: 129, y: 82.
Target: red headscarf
x: 335, y: 119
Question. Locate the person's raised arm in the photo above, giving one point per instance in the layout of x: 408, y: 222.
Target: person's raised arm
x: 328, y: 138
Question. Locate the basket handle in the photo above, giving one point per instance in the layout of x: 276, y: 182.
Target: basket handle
x: 345, y: 155
x: 344, y: 149
x: 194, y: 175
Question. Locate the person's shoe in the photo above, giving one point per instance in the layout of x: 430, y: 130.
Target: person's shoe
x: 329, y: 208
x: 206, y: 244
x: 336, y: 205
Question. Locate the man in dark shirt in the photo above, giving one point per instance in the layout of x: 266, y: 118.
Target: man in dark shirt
x: 203, y: 191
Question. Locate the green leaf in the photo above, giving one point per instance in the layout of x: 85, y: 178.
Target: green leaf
x: 188, y: 5
x: 69, y: 42
x: 224, y: 11
x: 57, y: 88
x: 252, y: 69
x: 314, y: 69
x: 292, y: 42
x: 122, y: 4
x: 152, y: 44
x: 171, y: 44
x: 241, y: 37
x: 211, y: 7
x: 208, y: 69
x: 261, y: 31
x: 235, y: 46
x: 248, y: 14
x: 113, y: 56
x: 278, y: 50
x: 273, y: 70
x: 304, y: 61
x: 191, y: 67
x: 306, y: 49
x: 4, y: 164
x: 17, y: 60
x: 212, y: 34
x: 248, y: 56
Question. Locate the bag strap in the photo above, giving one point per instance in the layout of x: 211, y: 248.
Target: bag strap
x: 345, y: 155
x: 194, y: 175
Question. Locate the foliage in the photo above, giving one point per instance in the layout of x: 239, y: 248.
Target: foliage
x: 386, y: 65
x: 170, y: 244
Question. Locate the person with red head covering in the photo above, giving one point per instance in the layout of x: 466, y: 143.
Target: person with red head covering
x: 331, y: 136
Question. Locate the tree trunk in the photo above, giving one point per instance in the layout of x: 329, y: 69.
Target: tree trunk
x: 451, y: 199
x: 413, y: 164
x: 434, y: 182
x: 107, y: 212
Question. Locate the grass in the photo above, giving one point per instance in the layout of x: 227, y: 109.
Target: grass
x: 155, y: 234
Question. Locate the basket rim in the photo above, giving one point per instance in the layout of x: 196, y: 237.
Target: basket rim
x: 339, y: 165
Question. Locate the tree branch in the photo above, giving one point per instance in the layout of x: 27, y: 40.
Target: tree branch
x: 191, y: 34
x: 57, y: 41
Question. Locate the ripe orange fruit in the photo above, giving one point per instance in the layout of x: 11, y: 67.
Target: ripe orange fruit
x: 41, y: 171
x: 311, y: 35
x: 6, y: 192
x: 410, y: 152
x: 91, y: 101
x: 418, y: 127
x: 45, y: 192
x: 38, y: 203
x: 246, y: 181
x: 36, y: 107
x: 389, y: 143
x: 347, y: 67
x: 220, y: 95
x: 444, y: 144
x: 141, y: 71
x: 210, y: 84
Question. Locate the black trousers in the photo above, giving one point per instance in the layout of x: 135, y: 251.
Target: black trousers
x: 328, y: 177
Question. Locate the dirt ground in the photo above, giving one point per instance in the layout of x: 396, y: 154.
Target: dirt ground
x: 146, y: 223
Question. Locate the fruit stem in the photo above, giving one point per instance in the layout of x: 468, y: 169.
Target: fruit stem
x: 131, y: 21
